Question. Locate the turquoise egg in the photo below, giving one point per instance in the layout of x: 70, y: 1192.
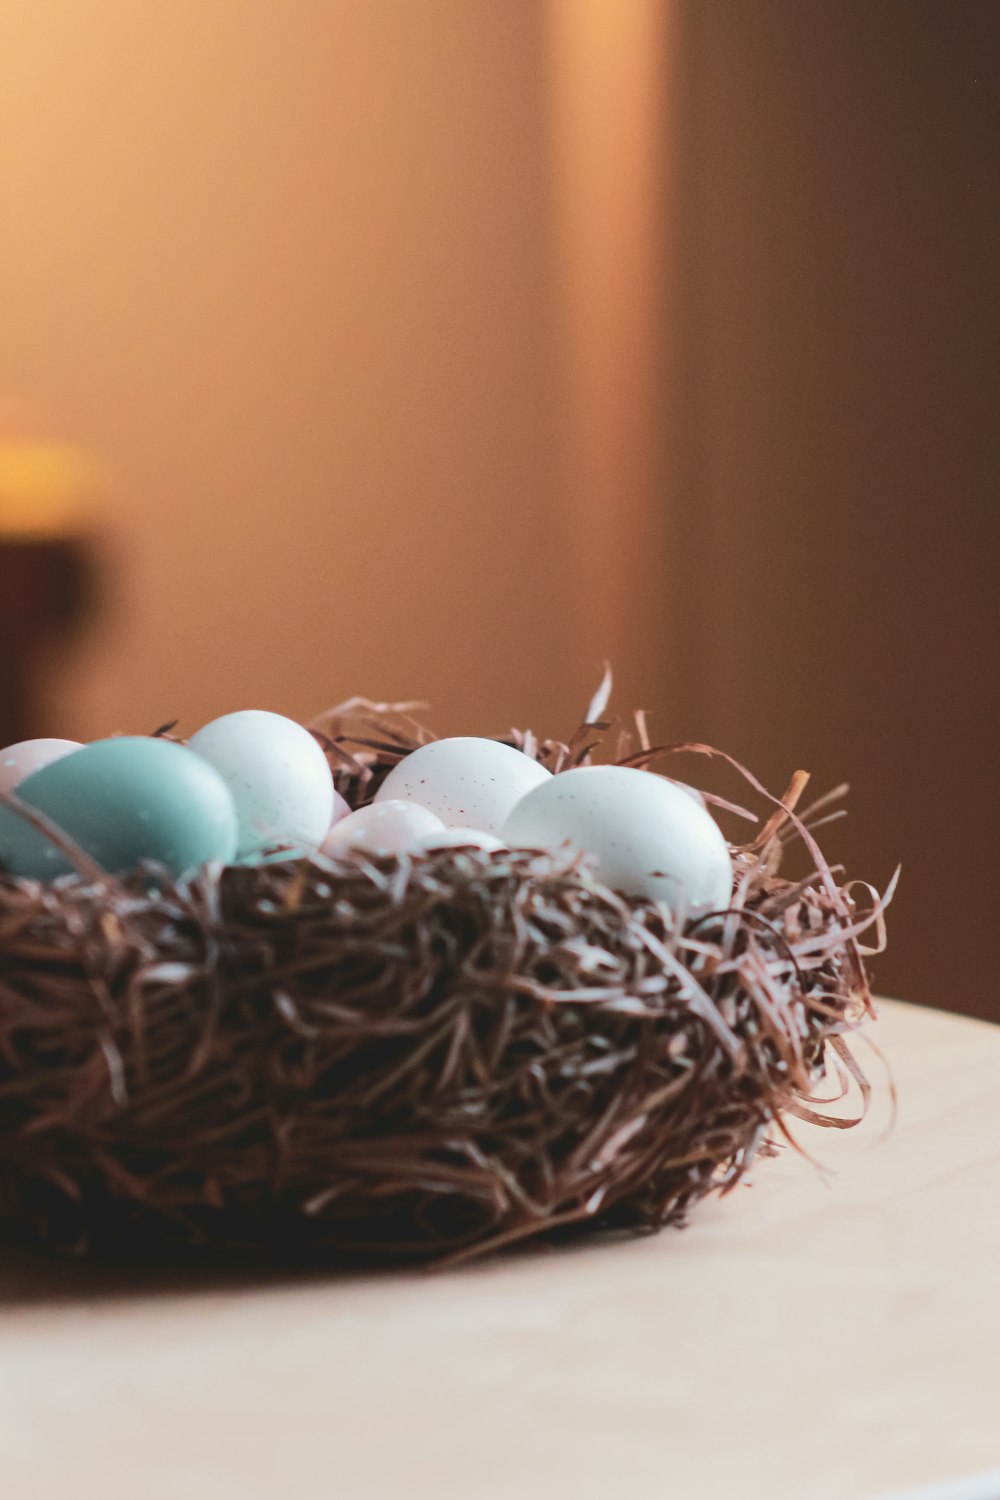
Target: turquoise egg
x: 123, y: 800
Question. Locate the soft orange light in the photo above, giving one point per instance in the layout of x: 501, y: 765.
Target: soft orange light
x: 610, y: 63
x: 46, y: 490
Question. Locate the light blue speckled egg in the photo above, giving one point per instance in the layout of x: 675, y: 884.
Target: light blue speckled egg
x: 123, y: 800
x: 278, y: 777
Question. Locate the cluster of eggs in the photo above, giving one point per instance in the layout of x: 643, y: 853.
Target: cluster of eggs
x: 243, y: 785
x: 252, y: 785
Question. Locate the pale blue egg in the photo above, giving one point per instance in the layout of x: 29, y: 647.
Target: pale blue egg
x: 122, y: 801
x: 278, y: 777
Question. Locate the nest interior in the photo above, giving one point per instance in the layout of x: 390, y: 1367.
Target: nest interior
x: 420, y: 1057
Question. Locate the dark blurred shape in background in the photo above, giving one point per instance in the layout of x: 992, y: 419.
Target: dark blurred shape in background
x: 840, y: 455
x: 48, y: 567
x: 442, y: 349
x: 44, y: 591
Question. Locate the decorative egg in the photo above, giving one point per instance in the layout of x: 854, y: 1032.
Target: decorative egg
x: 467, y: 782
x: 123, y: 800
x: 278, y: 776
x: 28, y: 756
x: 341, y: 810
x: 692, y: 792
x: 650, y: 836
x: 381, y: 828
x: 459, y: 838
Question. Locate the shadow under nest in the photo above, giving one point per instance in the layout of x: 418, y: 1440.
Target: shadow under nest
x: 421, y: 1057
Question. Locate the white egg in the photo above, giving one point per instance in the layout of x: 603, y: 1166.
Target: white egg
x: 692, y: 792
x: 459, y: 838
x: 467, y: 782
x: 278, y: 776
x: 381, y: 828
x: 649, y: 835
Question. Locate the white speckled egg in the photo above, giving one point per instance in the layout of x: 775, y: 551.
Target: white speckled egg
x: 381, y: 828
x: 278, y: 777
x: 650, y: 836
x: 28, y: 756
x: 467, y: 782
x: 692, y: 792
x: 459, y: 838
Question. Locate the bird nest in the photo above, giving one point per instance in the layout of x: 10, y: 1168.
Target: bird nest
x: 424, y: 1056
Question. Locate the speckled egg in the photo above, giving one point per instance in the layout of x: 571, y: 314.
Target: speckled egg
x: 650, y: 836
x: 278, y: 776
x: 459, y: 838
x: 123, y: 800
x: 381, y: 828
x: 341, y: 808
x: 17, y: 762
x: 467, y: 782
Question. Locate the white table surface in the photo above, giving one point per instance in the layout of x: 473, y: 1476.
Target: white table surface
x: 812, y: 1337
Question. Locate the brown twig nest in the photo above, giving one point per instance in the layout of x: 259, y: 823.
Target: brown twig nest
x: 424, y: 1056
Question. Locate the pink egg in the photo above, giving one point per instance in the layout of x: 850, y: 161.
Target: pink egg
x: 341, y: 810
x: 19, y: 761
x: 459, y: 838
x: 381, y: 828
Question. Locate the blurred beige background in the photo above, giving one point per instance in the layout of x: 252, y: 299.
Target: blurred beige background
x: 443, y: 348
x: 283, y: 266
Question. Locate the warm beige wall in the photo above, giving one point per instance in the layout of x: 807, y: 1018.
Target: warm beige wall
x: 839, y: 470
x: 442, y: 346
x: 289, y: 268
x: 612, y: 148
